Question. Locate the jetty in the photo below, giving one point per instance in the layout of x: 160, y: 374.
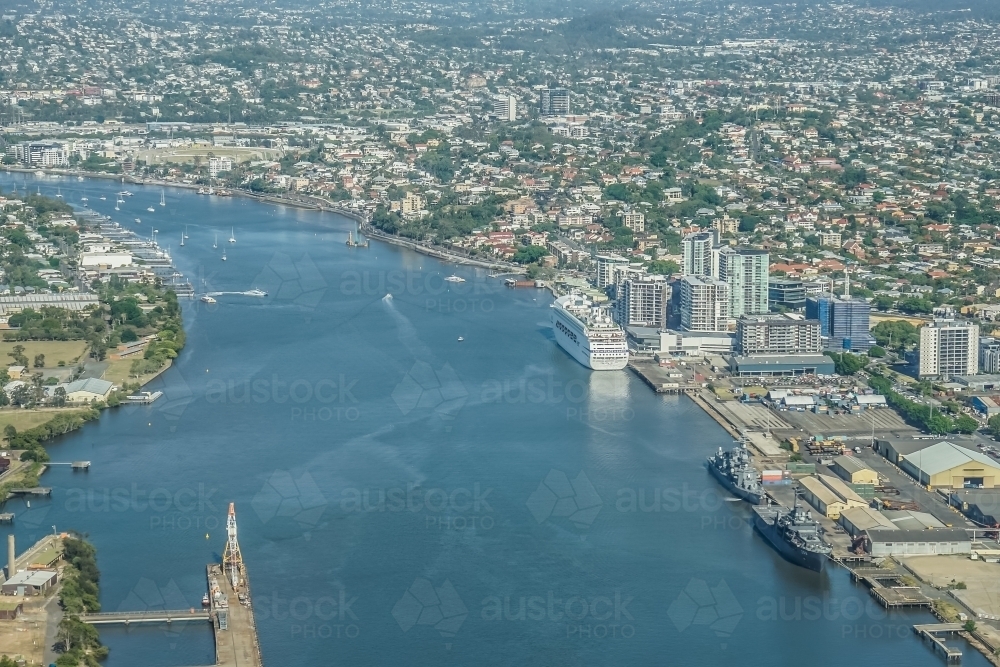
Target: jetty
x: 236, y: 642
x: 930, y: 634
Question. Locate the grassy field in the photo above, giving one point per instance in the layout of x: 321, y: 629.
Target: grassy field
x: 118, y: 372
x: 24, y: 419
x: 191, y: 154
x: 876, y: 318
x: 54, y: 350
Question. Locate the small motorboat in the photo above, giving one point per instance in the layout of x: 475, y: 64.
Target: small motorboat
x: 207, y: 299
x: 206, y: 601
x: 151, y: 209
x: 455, y: 279
x: 460, y: 339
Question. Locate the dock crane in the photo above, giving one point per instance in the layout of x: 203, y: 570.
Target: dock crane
x: 232, y: 558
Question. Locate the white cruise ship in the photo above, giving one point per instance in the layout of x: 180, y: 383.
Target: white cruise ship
x: 588, y: 333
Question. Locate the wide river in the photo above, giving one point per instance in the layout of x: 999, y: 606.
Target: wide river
x: 409, y: 498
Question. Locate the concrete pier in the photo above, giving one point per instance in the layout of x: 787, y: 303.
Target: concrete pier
x: 929, y: 633
x: 236, y: 643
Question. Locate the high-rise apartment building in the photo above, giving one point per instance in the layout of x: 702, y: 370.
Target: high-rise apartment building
x: 505, y: 107
x: 949, y: 348
x: 844, y: 322
x: 989, y: 355
x: 745, y: 270
x: 698, y: 256
x: 704, y: 304
x: 606, y: 267
x: 554, y: 102
x: 643, y: 302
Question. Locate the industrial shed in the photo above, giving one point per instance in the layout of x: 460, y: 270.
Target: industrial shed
x: 776, y: 365
x: 980, y: 505
x: 858, y: 520
x: 830, y: 495
x: 946, y: 465
x: 854, y: 471
x: 868, y: 401
x: 881, y: 542
x: 895, y: 449
x: 29, y: 582
x: 10, y: 609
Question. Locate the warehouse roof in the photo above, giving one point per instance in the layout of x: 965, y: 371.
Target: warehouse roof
x: 935, y: 535
x: 799, y: 400
x: 909, y: 445
x: 31, y: 578
x: 850, y: 464
x: 830, y: 489
x: 909, y: 520
x: 870, y: 399
x: 945, y: 456
x: 866, y: 518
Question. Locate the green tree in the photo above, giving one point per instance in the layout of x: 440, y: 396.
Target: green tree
x: 39, y: 361
x: 965, y: 424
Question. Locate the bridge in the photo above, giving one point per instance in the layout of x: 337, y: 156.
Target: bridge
x: 157, y: 616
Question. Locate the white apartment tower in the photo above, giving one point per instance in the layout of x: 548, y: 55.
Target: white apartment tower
x: 642, y: 302
x: 606, y: 267
x: 505, y: 107
x: 949, y: 348
x: 704, y: 304
x: 698, y: 260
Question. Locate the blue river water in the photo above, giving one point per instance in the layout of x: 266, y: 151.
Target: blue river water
x: 405, y: 497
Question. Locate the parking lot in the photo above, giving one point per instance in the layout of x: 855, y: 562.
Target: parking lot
x: 886, y: 422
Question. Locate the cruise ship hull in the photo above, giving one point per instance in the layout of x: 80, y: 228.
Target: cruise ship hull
x: 742, y: 494
x: 579, y: 351
x: 807, y: 559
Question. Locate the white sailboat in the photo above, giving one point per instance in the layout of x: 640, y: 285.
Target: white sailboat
x: 232, y: 235
x: 163, y: 200
x: 186, y: 232
x: 59, y: 193
x: 216, y: 244
x: 223, y: 255
x: 182, y: 240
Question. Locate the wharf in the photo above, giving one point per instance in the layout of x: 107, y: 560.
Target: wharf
x: 236, y: 643
x: 33, y: 491
x: 930, y: 632
x: 890, y: 596
x: 649, y: 377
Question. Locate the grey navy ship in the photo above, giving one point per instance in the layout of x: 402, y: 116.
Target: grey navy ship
x: 735, y: 472
x: 794, y: 533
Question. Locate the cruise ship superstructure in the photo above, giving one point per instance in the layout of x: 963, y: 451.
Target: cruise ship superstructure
x: 588, y: 333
